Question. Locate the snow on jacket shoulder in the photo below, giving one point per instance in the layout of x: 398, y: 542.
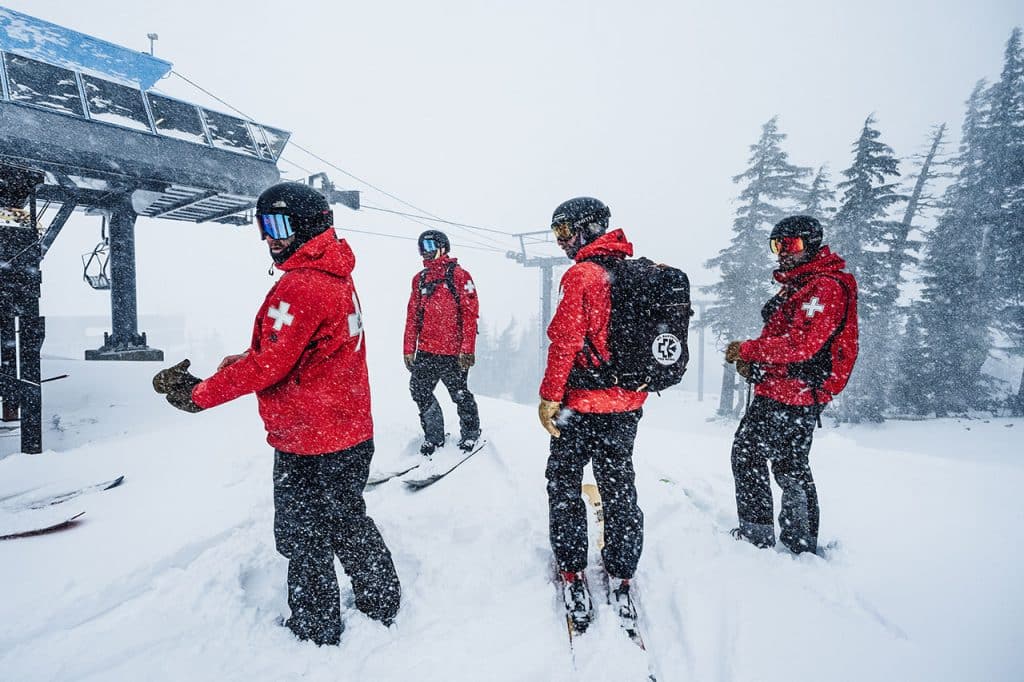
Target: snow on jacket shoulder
x: 814, y: 299
x: 584, y: 310
x: 307, y: 360
x: 439, y: 331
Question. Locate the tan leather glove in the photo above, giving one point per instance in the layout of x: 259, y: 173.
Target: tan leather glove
x: 732, y: 351
x: 548, y: 411
x: 744, y: 368
x: 410, y: 359
x: 466, y: 360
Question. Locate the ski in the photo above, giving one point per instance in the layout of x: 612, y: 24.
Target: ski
x: 420, y: 484
x: 373, y: 482
x: 621, y: 600
x: 52, y: 500
x: 69, y: 522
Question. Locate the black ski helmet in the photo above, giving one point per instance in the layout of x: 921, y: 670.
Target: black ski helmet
x: 803, y: 226
x: 433, y: 240
x: 585, y: 216
x: 308, y: 213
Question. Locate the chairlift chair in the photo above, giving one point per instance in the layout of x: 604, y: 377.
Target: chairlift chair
x: 96, y: 264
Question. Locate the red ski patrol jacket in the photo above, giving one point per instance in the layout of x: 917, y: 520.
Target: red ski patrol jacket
x: 434, y: 321
x: 807, y: 312
x: 307, y: 361
x: 584, y: 310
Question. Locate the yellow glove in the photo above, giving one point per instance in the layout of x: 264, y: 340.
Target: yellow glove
x: 547, y: 411
x: 732, y: 351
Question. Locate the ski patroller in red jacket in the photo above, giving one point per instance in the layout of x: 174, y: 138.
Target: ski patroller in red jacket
x: 307, y: 361
x: 812, y: 306
x: 440, y: 332
x: 584, y: 310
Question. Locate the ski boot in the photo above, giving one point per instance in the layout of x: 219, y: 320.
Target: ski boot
x: 468, y: 442
x: 576, y: 595
x: 429, y: 447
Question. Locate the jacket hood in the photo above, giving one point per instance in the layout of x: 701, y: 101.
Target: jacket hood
x: 823, y: 261
x: 613, y: 243
x: 324, y: 252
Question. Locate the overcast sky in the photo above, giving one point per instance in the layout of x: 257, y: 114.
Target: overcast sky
x: 491, y: 113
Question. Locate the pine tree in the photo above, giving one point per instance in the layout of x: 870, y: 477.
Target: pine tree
x: 819, y: 201
x: 1005, y: 240
x: 954, y: 314
x: 913, y: 362
x: 865, y: 235
x: 771, y: 185
x: 904, y: 250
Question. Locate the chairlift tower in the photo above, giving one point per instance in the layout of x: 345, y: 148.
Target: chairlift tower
x: 547, y: 265
x: 82, y: 128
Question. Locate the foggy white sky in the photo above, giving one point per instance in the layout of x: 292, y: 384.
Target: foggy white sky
x: 493, y: 112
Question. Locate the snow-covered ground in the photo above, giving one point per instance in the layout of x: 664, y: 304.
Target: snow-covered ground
x: 174, y: 576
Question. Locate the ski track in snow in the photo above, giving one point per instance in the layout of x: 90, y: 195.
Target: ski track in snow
x: 174, y: 575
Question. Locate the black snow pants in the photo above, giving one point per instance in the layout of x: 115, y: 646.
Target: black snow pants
x: 607, y: 440
x: 319, y: 513
x: 771, y: 430
x: 427, y: 370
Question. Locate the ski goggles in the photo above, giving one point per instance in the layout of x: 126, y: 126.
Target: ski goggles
x: 275, y: 225
x: 563, y: 231
x: 786, y: 245
x: 427, y: 246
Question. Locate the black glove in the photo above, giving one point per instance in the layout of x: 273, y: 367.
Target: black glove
x: 177, y: 383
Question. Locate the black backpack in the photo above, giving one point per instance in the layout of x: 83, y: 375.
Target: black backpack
x: 647, y: 334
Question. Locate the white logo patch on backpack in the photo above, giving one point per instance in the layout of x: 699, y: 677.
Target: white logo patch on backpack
x: 667, y: 349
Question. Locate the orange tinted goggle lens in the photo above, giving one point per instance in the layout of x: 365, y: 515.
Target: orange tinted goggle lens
x: 562, y: 230
x: 786, y: 245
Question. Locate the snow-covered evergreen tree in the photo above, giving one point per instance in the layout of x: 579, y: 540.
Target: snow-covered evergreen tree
x: 930, y: 167
x: 1005, y: 134
x: 955, y: 313
x: 864, y: 233
x: 772, y: 186
x: 913, y: 362
x: 819, y: 201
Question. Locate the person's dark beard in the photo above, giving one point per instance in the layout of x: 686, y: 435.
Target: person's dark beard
x: 571, y: 246
x: 281, y: 256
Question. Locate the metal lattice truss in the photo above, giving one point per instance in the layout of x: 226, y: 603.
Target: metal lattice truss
x: 198, y: 205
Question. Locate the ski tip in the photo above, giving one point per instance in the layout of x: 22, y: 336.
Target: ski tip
x: 421, y: 483
x: 113, y: 484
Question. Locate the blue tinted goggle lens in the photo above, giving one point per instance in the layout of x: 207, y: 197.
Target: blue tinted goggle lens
x: 428, y: 246
x: 276, y: 225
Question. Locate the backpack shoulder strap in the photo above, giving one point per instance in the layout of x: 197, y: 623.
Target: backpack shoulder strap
x: 449, y: 280
x: 420, y: 305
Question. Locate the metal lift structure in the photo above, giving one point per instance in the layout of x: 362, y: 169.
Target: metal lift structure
x: 81, y: 128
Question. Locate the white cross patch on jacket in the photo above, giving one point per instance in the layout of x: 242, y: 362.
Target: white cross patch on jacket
x: 812, y: 306
x: 355, y: 321
x: 280, y: 315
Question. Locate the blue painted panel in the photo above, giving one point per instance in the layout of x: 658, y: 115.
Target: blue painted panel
x: 38, y: 39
